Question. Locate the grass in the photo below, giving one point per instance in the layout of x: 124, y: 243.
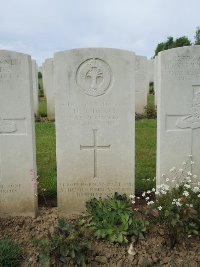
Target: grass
x: 145, y: 155
x: 150, y: 99
x: 42, y: 107
x: 46, y: 156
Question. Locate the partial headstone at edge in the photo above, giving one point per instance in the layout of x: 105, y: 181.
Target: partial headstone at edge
x: 178, y: 101
x: 18, y: 185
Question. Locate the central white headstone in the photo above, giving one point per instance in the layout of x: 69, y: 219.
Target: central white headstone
x: 94, y: 125
x: 18, y: 185
x: 178, y: 96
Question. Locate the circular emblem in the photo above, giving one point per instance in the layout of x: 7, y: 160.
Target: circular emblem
x: 94, y: 77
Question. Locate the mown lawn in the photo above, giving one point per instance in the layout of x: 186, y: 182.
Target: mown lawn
x: 145, y: 155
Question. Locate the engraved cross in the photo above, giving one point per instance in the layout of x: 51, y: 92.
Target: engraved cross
x: 94, y: 73
x: 95, y: 147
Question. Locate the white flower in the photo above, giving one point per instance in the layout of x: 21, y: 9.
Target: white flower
x: 186, y: 193
x: 131, y: 196
x: 187, y: 185
x: 198, y: 183
x: 189, y: 173
x: 190, y: 156
x: 147, y: 198
x: 159, y: 208
x: 157, y: 193
x: 138, y: 197
x: 133, y: 202
x: 150, y: 202
x: 172, y: 169
x: 148, y: 191
x: 183, y: 163
x: 192, y: 162
x: 167, y: 180
x: 196, y: 189
x: 143, y: 194
x: 191, y: 205
x: 198, y: 195
x: 153, y: 190
x: 163, y: 174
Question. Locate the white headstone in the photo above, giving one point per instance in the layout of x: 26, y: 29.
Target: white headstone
x: 49, y: 87
x: 155, y: 80
x: 35, y: 86
x: 141, y: 83
x: 178, y: 98
x: 18, y: 187
x: 94, y: 125
x: 43, y: 79
x: 151, y: 70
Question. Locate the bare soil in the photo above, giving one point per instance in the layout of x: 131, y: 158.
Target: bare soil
x: 153, y: 251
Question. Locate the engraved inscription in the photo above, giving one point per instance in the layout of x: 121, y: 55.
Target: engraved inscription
x: 183, y: 67
x: 94, y: 77
x: 6, y: 190
x: 84, y: 190
x: 9, y: 68
x: 95, y: 147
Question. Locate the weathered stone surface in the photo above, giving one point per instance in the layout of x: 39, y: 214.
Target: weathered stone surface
x: 49, y: 88
x: 178, y: 96
x: 17, y: 136
x: 35, y: 86
x: 94, y: 125
x: 141, y: 83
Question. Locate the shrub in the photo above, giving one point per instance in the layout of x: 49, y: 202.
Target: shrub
x: 9, y: 253
x: 39, y: 75
x: 68, y: 241
x: 177, y: 204
x: 113, y: 219
x: 150, y: 111
x: 151, y: 88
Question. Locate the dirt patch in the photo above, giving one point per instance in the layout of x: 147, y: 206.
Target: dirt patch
x: 151, y: 252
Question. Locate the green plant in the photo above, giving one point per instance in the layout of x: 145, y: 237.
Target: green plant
x: 68, y: 241
x: 150, y: 111
x: 113, y: 219
x: 9, y: 253
x: 177, y: 204
x: 151, y: 88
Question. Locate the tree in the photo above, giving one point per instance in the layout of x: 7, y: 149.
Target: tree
x: 197, y: 36
x: 171, y: 43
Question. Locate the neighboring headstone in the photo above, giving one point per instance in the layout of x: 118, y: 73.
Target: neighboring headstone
x: 141, y: 83
x: 35, y: 86
x: 49, y: 87
x: 178, y: 101
x: 43, y: 79
x: 155, y: 80
x: 18, y: 185
x: 95, y: 133
x: 151, y: 70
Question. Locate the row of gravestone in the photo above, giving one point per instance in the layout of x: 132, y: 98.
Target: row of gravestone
x: 95, y: 121
x: 144, y: 74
